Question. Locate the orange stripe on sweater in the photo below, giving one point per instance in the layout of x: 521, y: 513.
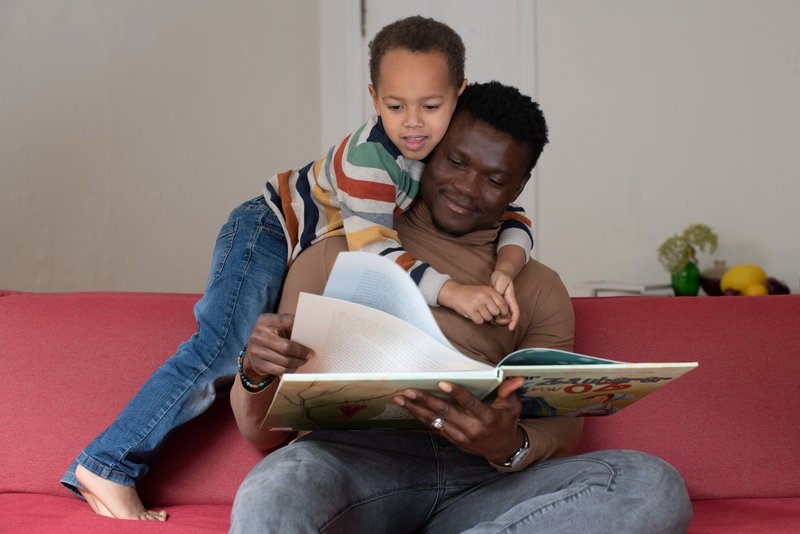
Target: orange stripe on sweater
x: 360, y: 188
x: 406, y: 261
x: 284, y: 189
x: 517, y: 217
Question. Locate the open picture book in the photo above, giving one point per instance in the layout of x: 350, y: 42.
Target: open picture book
x: 373, y: 336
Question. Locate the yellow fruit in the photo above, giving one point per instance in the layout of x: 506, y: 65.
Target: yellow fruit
x: 756, y: 289
x: 742, y: 277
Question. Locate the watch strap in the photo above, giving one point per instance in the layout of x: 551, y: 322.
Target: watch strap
x: 517, y: 457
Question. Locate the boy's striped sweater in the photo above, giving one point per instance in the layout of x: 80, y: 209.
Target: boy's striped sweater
x: 355, y: 190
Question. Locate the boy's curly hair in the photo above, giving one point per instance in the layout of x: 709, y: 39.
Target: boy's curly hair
x: 507, y: 110
x: 419, y: 34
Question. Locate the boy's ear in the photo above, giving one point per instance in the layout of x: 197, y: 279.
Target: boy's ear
x: 374, y: 94
x: 463, y: 86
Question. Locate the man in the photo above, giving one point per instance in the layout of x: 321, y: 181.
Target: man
x: 480, y: 468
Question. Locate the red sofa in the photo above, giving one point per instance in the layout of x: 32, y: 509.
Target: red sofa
x: 70, y: 361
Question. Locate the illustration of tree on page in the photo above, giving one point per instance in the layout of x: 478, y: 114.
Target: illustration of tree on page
x: 373, y: 335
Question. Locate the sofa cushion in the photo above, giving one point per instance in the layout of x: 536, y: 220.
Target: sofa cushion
x: 730, y: 426
x: 70, y: 363
x: 746, y: 516
x: 33, y: 513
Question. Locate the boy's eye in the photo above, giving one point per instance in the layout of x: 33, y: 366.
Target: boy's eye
x: 394, y: 107
x: 430, y: 108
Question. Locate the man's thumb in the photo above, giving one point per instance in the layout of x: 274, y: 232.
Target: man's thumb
x: 508, y: 387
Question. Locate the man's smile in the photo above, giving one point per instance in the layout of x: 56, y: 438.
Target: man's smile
x: 457, y: 203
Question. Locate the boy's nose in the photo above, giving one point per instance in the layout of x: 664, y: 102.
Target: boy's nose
x: 412, y: 119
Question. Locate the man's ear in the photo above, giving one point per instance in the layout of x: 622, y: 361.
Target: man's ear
x: 374, y: 94
x: 522, y: 184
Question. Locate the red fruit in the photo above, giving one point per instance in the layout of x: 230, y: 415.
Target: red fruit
x: 776, y: 287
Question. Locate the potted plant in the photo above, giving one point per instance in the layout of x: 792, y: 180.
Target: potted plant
x: 678, y: 256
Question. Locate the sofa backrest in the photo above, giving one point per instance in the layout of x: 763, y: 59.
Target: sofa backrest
x: 71, y: 361
x: 731, y: 426
x: 69, y: 364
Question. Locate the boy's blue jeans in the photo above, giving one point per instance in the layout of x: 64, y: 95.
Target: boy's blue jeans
x: 404, y: 481
x: 249, y: 265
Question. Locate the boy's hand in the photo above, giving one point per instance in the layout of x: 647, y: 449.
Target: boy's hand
x: 480, y: 304
x: 503, y: 283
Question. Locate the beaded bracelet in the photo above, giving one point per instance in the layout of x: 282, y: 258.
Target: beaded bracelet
x: 248, y: 385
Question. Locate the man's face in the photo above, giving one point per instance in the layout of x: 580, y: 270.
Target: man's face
x: 472, y: 175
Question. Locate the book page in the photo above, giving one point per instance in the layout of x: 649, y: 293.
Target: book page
x: 376, y: 282
x: 543, y: 356
x: 352, y: 338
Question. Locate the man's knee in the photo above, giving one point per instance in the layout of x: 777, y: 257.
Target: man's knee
x: 655, y: 489
x: 276, y: 494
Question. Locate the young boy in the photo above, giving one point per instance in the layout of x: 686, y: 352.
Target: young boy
x: 417, y: 73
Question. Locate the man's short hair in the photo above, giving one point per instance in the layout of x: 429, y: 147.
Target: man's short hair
x: 507, y: 110
x: 419, y: 34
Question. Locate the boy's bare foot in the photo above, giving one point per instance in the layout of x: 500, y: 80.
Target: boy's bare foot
x: 113, y: 500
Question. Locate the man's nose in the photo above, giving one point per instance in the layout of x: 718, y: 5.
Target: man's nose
x: 468, y: 183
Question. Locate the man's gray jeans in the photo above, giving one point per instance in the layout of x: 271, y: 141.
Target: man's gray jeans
x: 387, y: 481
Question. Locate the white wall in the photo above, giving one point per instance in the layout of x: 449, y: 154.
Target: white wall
x: 128, y: 130
x: 662, y: 114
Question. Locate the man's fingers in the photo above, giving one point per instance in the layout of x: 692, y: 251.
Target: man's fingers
x: 423, y: 406
x: 465, y: 400
x: 269, y: 349
x: 507, y: 389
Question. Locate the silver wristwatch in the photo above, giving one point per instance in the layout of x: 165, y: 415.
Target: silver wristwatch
x: 521, y: 453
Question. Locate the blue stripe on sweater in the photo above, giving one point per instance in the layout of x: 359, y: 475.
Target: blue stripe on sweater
x: 381, y: 219
x: 387, y: 251
x: 378, y: 135
x: 515, y: 209
x: 275, y: 198
x: 513, y: 223
x: 310, y: 211
x: 417, y: 272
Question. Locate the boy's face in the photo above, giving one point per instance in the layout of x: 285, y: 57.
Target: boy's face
x: 414, y: 99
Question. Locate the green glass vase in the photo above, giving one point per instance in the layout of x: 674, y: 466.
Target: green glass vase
x: 686, y: 282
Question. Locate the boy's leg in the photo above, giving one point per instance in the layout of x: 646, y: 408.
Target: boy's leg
x: 247, y: 273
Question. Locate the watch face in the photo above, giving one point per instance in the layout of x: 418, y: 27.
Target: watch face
x: 522, y: 453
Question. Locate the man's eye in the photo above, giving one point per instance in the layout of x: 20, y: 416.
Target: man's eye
x: 493, y: 182
x: 455, y: 162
